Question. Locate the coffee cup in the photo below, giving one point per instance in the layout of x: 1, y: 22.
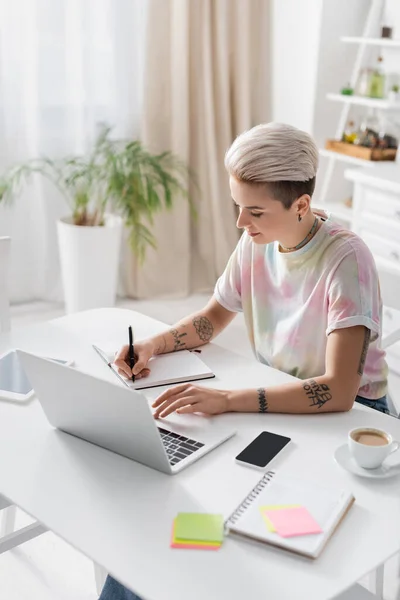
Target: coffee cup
x: 369, y: 446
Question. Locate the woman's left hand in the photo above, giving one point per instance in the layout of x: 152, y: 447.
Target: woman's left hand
x: 188, y: 398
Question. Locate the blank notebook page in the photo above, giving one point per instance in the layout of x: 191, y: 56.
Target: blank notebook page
x: 327, y: 506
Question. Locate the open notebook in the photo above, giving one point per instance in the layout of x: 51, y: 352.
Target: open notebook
x: 177, y: 367
x: 327, y: 506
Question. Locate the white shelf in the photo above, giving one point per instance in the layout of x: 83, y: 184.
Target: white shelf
x: 352, y: 160
x: 364, y: 101
x: 339, y: 210
x: 386, y: 42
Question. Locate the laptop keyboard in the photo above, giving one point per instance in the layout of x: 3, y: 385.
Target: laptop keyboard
x: 177, y: 446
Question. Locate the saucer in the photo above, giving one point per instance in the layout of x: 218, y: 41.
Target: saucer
x: 344, y: 459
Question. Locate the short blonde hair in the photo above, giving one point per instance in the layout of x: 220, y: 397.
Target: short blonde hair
x: 273, y: 154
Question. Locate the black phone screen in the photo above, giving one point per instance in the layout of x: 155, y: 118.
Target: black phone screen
x: 263, y: 449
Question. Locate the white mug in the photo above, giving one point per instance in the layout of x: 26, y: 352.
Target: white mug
x: 370, y: 456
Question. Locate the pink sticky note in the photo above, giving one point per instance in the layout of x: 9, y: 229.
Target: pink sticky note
x: 289, y: 522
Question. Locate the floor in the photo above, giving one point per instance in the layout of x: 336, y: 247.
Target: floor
x: 49, y: 569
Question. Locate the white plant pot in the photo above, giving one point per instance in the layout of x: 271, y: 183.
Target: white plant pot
x: 89, y: 259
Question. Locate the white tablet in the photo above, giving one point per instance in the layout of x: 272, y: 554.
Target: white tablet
x: 14, y: 384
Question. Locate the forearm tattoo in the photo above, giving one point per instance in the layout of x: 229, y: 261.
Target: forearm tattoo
x: 262, y: 400
x: 367, y: 336
x: 179, y: 344
x: 204, y: 328
x: 318, y: 393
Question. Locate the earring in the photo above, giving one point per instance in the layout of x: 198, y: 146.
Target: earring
x: 299, y: 218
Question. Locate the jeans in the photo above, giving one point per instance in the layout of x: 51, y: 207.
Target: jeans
x: 116, y: 591
x: 380, y: 404
x: 113, y: 590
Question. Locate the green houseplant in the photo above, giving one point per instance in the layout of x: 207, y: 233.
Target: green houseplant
x: 116, y: 175
x: 117, y: 183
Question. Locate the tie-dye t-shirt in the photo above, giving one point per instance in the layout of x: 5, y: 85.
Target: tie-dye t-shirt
x: 293, y: 301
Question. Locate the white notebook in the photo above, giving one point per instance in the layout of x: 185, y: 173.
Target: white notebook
x: 177, y: 367
x: 327, y: 506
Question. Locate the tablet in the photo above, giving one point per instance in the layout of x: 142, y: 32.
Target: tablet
x: 14, y: 384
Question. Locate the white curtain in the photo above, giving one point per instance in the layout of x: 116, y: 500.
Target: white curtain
x: 207, y: 79
x: 65, y: 67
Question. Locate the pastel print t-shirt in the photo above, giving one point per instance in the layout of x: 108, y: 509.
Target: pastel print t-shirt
x: 293, y: 301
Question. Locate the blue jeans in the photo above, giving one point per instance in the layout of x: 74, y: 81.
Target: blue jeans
x: 116, y: 591
x: 113, y: 590
x: 380, y: 404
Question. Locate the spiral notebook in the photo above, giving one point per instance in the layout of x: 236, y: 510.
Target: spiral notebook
x: 326, y: 505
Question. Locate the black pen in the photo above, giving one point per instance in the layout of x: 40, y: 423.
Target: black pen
x: 131, y: 352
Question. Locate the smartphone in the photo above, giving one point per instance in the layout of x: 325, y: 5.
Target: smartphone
x: 262, y: 450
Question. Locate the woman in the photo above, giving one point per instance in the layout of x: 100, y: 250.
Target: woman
x: 309, y: 292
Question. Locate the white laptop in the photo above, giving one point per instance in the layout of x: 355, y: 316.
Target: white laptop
x: 118, y: 418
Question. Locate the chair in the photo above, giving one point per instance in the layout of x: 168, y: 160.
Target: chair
x: 8, y: 537
x: 390, y: 290
x: 5, y: 243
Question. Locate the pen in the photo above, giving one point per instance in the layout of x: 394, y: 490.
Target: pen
x: 131, y: 352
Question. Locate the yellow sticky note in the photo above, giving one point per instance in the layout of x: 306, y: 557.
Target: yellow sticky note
x: 267, y: 522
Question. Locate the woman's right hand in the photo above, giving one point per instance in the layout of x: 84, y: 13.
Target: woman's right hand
x: 143, y: 352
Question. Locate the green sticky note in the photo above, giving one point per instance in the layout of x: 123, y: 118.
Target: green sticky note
x: 200, y: 527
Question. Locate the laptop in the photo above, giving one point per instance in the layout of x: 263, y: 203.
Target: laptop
x: 118, y: 418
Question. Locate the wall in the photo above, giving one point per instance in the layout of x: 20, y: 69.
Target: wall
x: 295, y: 40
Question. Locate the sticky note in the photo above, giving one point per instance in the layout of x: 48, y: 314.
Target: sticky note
x: 289, y: 522
x: 199, y: 527
x: 192, y: 544
x: 267, y: 522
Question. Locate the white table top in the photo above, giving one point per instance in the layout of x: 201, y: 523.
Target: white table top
x: 119, y: 513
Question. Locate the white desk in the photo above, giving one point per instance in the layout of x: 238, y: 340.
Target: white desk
x: 119, y: 513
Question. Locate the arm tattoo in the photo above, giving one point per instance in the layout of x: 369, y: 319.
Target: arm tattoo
x: 204, y: 328
x: 318, y: 393
x: 262, y: 400
x: 367, y: 335
x: 179, y: 344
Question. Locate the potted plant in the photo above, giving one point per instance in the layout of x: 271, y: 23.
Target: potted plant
x: 394, y: 95
x: 118, y: 183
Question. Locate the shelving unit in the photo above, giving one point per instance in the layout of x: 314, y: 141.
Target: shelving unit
x: 364, y: 101
x: 369, y: 41
x: 341, y: 211
x: 365, y: 41
x: 352, y: 160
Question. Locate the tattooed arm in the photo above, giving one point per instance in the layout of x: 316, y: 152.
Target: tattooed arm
x: 334, y: 391
x: 193, y: 331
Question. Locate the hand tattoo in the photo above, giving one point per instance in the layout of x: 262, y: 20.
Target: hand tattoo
x: 262, y: 400
x: 367, y: 336
x: 179, y: 344
x: 318, y: 393
x: 204, y: 328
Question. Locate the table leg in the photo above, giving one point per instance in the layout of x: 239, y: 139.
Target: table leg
x: 7, y: 520
x: 100, y: 576
x: 376, y: 580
